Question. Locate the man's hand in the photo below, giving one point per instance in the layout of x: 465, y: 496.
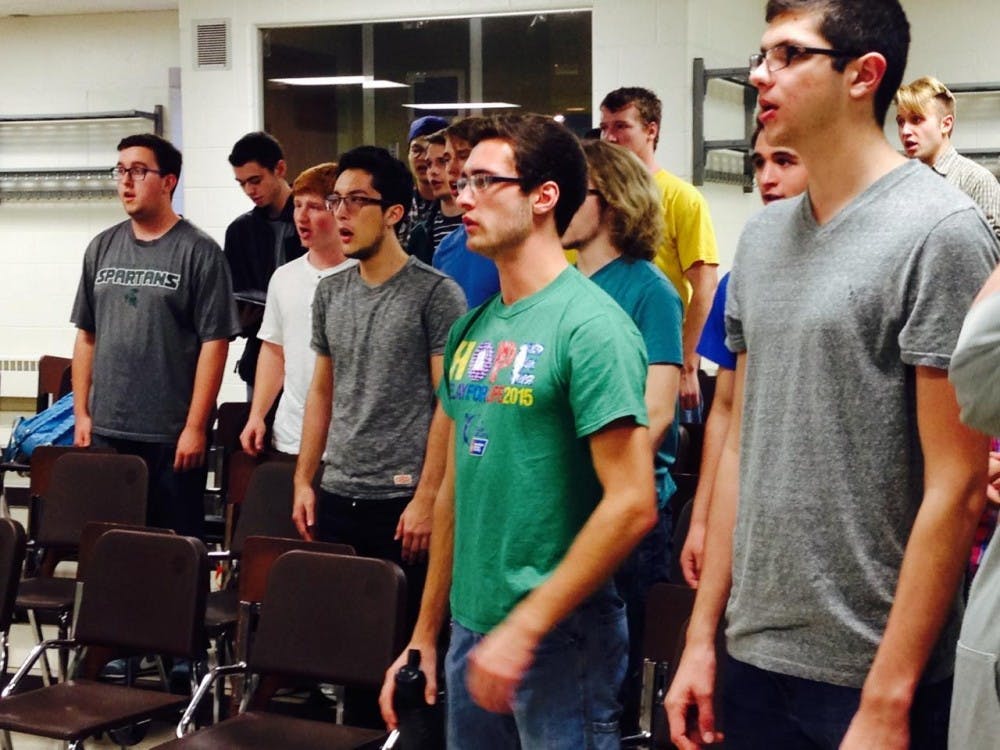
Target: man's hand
x: 689, y: 703
x: 82, y: 431
x: 428, y: 663
x: 304, y: 511
x: 414, y: 529
x: 191, y: 447
x: 498, y: 664
x: 886, y: 727
x: 252, y: 437
x: 690, y: 390
x: 693, y: 554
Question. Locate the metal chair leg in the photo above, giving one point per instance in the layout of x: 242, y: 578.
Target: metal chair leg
x: 37, y: 628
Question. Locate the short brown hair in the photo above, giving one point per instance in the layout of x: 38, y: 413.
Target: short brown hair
x: 318, y: 179
x: 649, y: 105
x: 543, y: 150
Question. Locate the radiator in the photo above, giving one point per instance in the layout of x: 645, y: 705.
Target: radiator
x: 18, y: 377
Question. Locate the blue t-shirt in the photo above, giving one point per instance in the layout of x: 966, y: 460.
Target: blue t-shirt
x: 712, y: 344
x: 476, y: 274
x: 647, y: 295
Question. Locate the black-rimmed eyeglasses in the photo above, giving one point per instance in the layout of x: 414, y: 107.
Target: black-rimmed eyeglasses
x: 782, y: 55
x: 354, y: 203
x: 137, y: 173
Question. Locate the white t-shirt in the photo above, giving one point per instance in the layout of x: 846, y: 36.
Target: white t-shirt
x: 288, y: 323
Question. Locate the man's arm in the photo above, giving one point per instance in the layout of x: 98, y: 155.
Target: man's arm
x: 434, y: 601
x: 315, y: 425
x: 662, y: 386
x: 693, y: 688
x: 626, y: 512
x: 414, y: 527
x: 208, y: 373
x: 703, y: 278
x: 933, y: 564
x: 266, y: 386
x: 83, y: 378
x: 716, y: 428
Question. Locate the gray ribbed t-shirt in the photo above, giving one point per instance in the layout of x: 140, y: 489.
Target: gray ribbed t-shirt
x: 381, y: 339
x: 833, y: 319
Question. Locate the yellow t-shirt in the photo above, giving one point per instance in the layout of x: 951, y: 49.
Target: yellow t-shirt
x: 689, y: 236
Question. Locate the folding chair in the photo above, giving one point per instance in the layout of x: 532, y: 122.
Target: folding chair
x: 53, y: 382
x: 668, y: 608
x: 351, y: 639
x: 267, y: 511
x: 144, y: 593
x: 84, y: 487
x: 12, y: 545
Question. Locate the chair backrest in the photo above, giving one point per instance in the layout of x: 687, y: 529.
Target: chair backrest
x: 89, y: 486
x: 260, y: 554
x: 12, y: 545
x: 53, y: 380
x: 43, y: 458
x: 93, y: 530
x: 145, y: 592
x: 330, y: 617
x: 668, y: 607
x: 267, y: 507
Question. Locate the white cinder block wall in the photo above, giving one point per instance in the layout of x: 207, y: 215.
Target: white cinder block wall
x: 62, y: 64
x: 121, y: 61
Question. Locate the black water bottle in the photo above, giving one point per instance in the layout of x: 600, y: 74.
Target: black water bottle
x: 420, y: 724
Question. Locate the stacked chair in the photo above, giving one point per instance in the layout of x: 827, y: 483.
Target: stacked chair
x: 143, y: 593
x: 83, y: 487
x: 324, y: 617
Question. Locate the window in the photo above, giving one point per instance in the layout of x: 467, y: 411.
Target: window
x: 330, y: 88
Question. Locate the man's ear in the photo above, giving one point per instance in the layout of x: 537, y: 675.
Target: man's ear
x: 865, y: 74
x: 546, y: 196
x: 653, y: 130
x: 169, y: 183
x: 393, y: 214
x: 281, y: 169
x: 947, y: 123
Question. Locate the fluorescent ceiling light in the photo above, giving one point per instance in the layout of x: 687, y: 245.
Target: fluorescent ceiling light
x: 464, y: 105
x: 365, y: 81
x: 320, y: 81
x: 383, y: 85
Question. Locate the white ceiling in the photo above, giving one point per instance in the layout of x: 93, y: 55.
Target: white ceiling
x: 77, y: 7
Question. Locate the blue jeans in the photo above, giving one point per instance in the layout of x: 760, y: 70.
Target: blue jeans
x: 568, y: 698
x: 764, y: 710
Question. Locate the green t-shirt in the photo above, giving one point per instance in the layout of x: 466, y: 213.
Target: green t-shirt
x: 526, y: 384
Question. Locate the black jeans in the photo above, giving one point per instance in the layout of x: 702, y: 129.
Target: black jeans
x: 176, y: 499
x: 369, y: 527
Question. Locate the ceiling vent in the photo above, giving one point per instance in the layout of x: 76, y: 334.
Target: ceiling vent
x: 211, y: 40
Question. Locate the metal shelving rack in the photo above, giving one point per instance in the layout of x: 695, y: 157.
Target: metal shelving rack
x: 700, y: 147
x: 67, y: 183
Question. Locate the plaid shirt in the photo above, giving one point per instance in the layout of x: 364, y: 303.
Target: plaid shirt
x: 974, y: 180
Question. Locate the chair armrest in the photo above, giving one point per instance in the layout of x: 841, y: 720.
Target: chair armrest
x: 203, y: 687
x: 33, y: 656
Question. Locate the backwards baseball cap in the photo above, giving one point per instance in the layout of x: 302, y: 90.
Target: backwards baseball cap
x: 425, y: 126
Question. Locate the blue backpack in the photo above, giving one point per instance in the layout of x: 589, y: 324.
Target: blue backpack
x: 53, y: 426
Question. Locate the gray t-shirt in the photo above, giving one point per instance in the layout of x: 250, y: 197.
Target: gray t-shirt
x: 833, y: 319
x: 150, y: 305
x: 381, y: 339
x: 975, y: 368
